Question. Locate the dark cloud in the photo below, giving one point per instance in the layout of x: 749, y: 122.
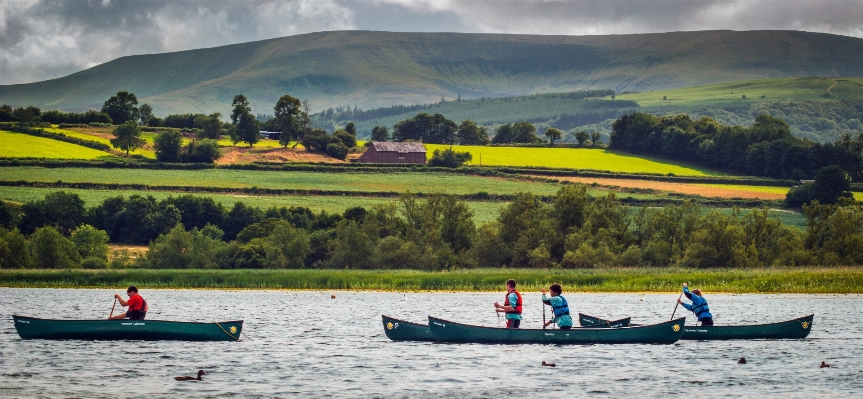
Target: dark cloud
x: 44, y: 39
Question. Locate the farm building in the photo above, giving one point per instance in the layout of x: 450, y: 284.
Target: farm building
x: 385, y: 152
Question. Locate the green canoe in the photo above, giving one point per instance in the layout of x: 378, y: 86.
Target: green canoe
x: 663, y: 333
x: 400, y: 330
x: 791, y: 329
x: 144, y: 330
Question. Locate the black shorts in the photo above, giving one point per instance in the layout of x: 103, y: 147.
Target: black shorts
x: 136, y: 314
x: 512, y: 323
x: 707, y: 321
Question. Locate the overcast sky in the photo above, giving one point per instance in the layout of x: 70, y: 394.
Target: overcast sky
x: 44, y: 39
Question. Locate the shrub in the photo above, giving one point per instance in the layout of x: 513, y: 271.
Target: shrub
x: 449, y: 158
x: 94, y: 263
x: 337, y: 150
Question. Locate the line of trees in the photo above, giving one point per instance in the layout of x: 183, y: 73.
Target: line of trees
x: 766, y: 148
x: 574, y: 230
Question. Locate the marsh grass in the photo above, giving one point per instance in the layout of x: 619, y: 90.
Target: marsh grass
x: 780, y: 280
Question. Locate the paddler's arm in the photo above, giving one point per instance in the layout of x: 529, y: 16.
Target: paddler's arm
x: 121, y: 300
x: 546, y: 300
x: 686, y: 292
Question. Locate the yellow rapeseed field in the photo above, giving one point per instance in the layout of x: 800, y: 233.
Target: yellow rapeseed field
x: 574, y: 158
x: 17, y: 145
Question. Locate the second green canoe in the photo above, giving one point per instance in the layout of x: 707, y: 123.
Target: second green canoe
x: 662, y: 333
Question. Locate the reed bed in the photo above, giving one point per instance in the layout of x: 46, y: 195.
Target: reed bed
x: 768, y: 280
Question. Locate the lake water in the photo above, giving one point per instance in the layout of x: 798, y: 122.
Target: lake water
x: 306, y: 344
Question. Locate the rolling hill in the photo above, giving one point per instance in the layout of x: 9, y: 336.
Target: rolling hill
x: 373, y: 69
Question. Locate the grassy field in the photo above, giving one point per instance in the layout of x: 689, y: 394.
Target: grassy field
x: 17, y: 145
x: 791, y: 280
x: 146, y: 152
x: 226, y: 178
x: 483, y: 210
x: 574, y: 158
x: 858, y: 196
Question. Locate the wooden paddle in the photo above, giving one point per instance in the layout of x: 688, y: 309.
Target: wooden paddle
x: 112, y: 308
x: 676, y: 303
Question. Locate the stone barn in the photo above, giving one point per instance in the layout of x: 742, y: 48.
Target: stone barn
x: 385, y: 152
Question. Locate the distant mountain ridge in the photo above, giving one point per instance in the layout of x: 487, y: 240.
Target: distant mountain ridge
x: 374, y: 69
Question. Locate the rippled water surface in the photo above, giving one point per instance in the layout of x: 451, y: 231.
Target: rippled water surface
x: 306, y: 344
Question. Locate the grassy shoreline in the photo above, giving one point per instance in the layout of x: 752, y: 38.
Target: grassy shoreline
x: 844, y: 280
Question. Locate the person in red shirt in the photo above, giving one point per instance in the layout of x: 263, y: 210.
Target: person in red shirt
x: 137, y: 305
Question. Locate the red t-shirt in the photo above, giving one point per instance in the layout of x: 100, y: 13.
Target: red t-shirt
x: 135, y: 302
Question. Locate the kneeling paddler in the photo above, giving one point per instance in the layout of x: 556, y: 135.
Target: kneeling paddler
x: 137, y: 305
x: 698, y: 306
x: 559, y: 306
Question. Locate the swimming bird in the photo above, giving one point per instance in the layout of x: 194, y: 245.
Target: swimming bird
x: 405, y: 297
x: 742, y: 360
x: 548, y: 364
x: 823, y: 365
x: 187, y: 378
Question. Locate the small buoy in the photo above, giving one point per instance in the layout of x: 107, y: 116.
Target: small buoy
x: 823, y: 365
x: 552, y: 364
x: 742, y: 360
x: 333, y: 296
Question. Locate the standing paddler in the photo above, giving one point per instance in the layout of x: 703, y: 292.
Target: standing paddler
x: 512, y: 305
x: 698, y: 306
x: 559, y: 306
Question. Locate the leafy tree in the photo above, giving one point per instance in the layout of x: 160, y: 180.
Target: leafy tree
x: 246, y: 130
x: 241, y: 107
x: 90, y: 242
x: 426, y: 128
x: 121, y: 108
x: 524, y: 132
x: 469, y: 133
x: 380, y: 133
x: 504, y: 134
x: 286, y: 247
x: 50, y: 250
x: 145, y: 114
x: 211, y: 127
x: 449, y: 158
x: 168, y: 145
x: 316, y: 140
x: 181, y: 249
x: 351, y: 128
x: 127, y: 137
x: 553, y: 134
x: 288, y: 115
x: 27, y: 116
x: 13, y: 249
x: 582, y: 137
x: 202, y: 151
x: 61, y: 209
x: 337, y: 150
x: 10, y: 214
x: 352, y: 248
x: 348, y: 139
x: 240, y: 216
x: 595, y: 138
x: 831, y: 183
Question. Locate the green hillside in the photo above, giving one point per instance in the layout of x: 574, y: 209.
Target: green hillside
x: 818, y: 108
x: 373, y: 69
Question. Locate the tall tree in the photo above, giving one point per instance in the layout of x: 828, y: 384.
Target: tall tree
x: 145, y: 113
x: 127, y: 136
x: 246, y: 128
x: 351, y: 128
x: 122, y: 107
x: 504, y: 134
x: 288, y: 114
x: 582, y: 137
x: 553, y: 134
x: 524, y: 132
x: 168, y: 145
x: 380, y: 133
x: 469, y: 133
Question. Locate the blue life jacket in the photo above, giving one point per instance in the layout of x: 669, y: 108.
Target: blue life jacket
x: 563, y: 309
x: 699, y: 305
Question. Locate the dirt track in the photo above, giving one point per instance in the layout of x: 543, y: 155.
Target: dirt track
x: 683, y: 188
x: 234, y: 155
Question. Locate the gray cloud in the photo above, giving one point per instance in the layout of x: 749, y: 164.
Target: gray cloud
x: 43, y: 39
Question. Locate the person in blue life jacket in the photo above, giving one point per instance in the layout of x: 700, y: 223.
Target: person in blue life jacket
x: 698, y: 306
x: 512, y: 306
x: 559, y: 306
